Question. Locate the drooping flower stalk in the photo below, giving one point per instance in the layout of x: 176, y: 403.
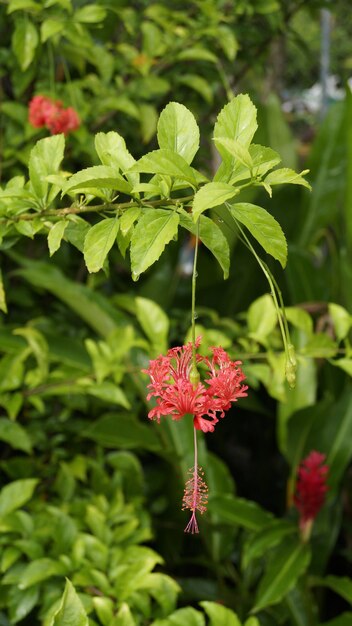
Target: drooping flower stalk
x: 176, y: 385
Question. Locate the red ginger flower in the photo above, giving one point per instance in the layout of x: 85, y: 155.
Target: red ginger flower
x: 46, y: 112
x: 177, y: 396
x: 310, y: 490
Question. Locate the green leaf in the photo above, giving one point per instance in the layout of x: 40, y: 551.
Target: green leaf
x: 104, y: 608
x: 341, y: 318
x: 211, y: 195
x: 287, y: 564
x: 15, y: 435
x: 263, y: 227
x: 98, y: 242
x: 112, y: 151
x: 123, y: 431
x: 198, y: 84
x: 25, y: 40
x: 182, y: 617
x: 71, y: 611
x: 163, y: 589
x: 341, y: 585
x: 232, y: 510
x: 128, y: 218
x: 51, y: 27
x: 124, y: 617
x: 90, y: 14
x: 236, y: 121
x: 235, y: 148
x: 154, y: 322
x: 18, y: 5
x: 178, y: 131
x: 108, y: 392
x: 77, y: 297
x: 39, y: 570
x: 153, y: 232
x: 3, y: 305
x: 262, y: 318
x: 196, y: 53
x: 212, y: 237
x: 55, y: 235
x: 219, y: 615
x: 264, y: 159
x: 45, y: 160
x: 21, y: 603
x: 345, y: 364
x: 259, y: 544
x: 15, y: 494
x: 285, y: 175
x: 165, y: 161
x: 100, y: 177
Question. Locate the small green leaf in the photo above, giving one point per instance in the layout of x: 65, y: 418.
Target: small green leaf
x: 15, y: 494
x: 109, y: 392
x: 232, y: 510
x: 236, y: 121
x: 104, y: 608
x: 165, y: 161
x: 235, y: 148
x: 285, y: 175
x: 341, y: 585
x: 90, y: 14
x: 3, y: 305
x: 112, y: 151
x: 264, y: 159
x: 71, y: 611
x: 121, y: 430
x: 182, y: 617
x: 259, y: 544
x: 25, y: 40
x: 128, y: 218
x: 154, y: 322
x: 262, y: 318
x: 211, y: 195
x: 153, y: 232
x: 198, y: 84
x: 341, y: 318
x: 287, y: 564
x: 21, y: 603
x: 51, y: 27
x: 14, y: 435
x: 219, y: 615
x: 212, y: 237
x: 263, y: 227
x: 196, y: 53
x: 55, y: 236
x: 124, y: 617
x: 178, y: 131
x: 45, y: 160
x: 98, y: 242
x: 39, y: 570
x: 100, y: 177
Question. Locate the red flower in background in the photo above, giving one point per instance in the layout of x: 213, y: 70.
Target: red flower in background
x: 311, y: 488
x: 177, y: 396
x: 44, y: 112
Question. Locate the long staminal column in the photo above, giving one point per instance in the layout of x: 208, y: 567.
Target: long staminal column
x: 195, y: 497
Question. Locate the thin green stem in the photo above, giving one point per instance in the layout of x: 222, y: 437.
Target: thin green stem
x: 96, y: 208
x: 279, y: 306
x: 194, y: 284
